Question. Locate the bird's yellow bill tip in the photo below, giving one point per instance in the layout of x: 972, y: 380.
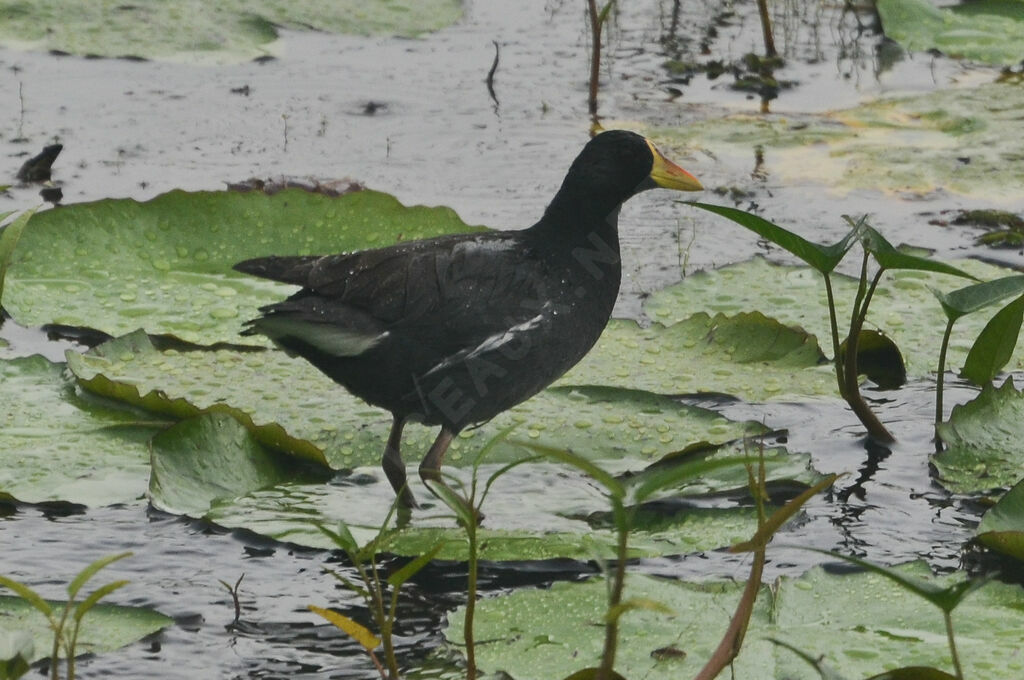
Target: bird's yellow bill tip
x: 668, y: 175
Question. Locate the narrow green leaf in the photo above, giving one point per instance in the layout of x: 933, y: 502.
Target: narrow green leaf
x: 27, y: 594
x: 822, y: 258
x: 458, y: 504
x: 8, y: 240
x: 342, y: 538
x: 88, y: 603
x: 349, y: 584
x: 410, y: 569
x: 356, y: 631
x: 90, y: 571
x: 637, y: 603
x: 979, y: 295
x: 994, y: 346
x: 589, y: 468
x: 890, y: 257
x: 781, y: 516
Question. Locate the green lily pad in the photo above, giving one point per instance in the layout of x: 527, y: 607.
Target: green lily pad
x: 904, y: 306
x: 165, y: 264
x: 983, y: 442
x: 911, y: 145
x: 226, y: 31
x: 61, y: 445
x: 747, y: 355
x: 212, y: 467
x: 1002, y: 527
x: 860, y: 623
x: 990, y: 31
x: 212, y: 457
x: 293, y: 407
x: 105, y: 627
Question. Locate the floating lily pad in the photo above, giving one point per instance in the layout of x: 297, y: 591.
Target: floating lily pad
x: 212, y: 467
x: 860, y: 623
x: 61, y: 445
x: 983, y: 438
x: 293, y: 407
x: 211, y: 457
x: 963, y: 141
x: 165, y: 264
x: 106, y: 627
x: 747, y: 355
x: 226, y: 31
x: 1002, y: 527
x: 991, y: 31
x: 903, y: 306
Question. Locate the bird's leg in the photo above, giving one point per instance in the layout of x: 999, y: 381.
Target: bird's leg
x: 393, y: 466
x: 430, y: 468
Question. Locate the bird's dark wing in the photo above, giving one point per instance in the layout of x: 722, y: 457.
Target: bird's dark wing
x: 448, y: 293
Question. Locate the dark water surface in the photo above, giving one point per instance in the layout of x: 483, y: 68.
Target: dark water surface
x: 436, y: 137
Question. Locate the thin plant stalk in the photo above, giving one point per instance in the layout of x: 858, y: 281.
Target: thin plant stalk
x: 611, y: 628
x: 766, y: 29
x: 597, y: 21
x: 947, y: 615
x: 940, y: 380
x: 836, y: 354
x: 851, y: 391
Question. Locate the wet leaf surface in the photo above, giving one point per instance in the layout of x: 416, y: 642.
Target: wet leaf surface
x: 983, y: 438
x: 61, y: 445
x: 227, y: 31
x: 903, y: 307
x: 1002, y: 526
x: 211, y: 467
x: 535, y: 634
x: 165, y: 264
x: 984, y: 30
x: 106, y: 627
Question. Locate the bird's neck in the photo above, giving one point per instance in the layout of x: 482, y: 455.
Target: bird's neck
x: 575, y: 221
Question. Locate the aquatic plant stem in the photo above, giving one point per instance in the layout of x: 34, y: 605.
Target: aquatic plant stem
x: 611, y: 628
x: 595, y: 54
x: 471, y: 566
x: 597, y: 21
x: 837, y: 356
x: 948, y: 616
x: 940, y: 380
x: 766, y: 29
x: 851, y: 391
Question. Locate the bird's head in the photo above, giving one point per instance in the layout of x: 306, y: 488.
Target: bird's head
x: 618, y: 164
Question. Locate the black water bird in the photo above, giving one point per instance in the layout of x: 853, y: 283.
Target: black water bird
x: 453, y: 330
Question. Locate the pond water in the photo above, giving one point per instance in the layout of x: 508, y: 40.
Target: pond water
x: 414, y: 118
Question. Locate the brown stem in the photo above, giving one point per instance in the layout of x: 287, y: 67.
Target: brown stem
x: 766, y: 29
x: 595, y: 54
x: 851, y: 392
